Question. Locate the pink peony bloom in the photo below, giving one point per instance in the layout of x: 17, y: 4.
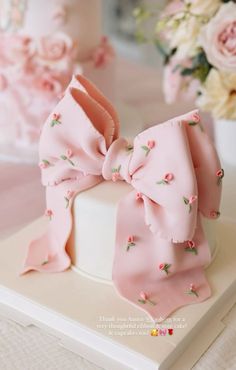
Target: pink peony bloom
x: 218, y: 38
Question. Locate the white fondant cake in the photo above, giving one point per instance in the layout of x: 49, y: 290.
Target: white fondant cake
x: 92, y: 241
x: 80, y: 20
x: 42, y: 43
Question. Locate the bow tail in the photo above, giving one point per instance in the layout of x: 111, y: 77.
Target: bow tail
x: 48, y: 253
x: 153, y: 273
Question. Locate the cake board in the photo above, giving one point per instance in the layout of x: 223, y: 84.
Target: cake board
x: 91, y: 319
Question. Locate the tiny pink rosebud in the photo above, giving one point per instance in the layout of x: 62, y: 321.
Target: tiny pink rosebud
x: 69, y: 153
x: 143, y: 296
x: 191, y: 244
x: 138, y: 196
x: 42, y: 165
x: 131, y: 239
x: 162, y: 266
x: 3, y: 82
x: 192, y: 199
x: 192, y: 287
x: 214, y: 214
x: 169, y: 177
x: 220, y: 173
x: 48, y: 213
x: 150, y: 144
x: 115, y: 176
x: 56, y: 116
x: 196, y: 117
x: 69, y: 194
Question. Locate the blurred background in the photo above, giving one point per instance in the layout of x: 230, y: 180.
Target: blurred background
x: 120, y: 25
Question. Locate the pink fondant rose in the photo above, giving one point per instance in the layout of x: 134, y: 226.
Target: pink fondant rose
x: 218, y: 38
x: 49, y: 83
x: 16, y: 49
x: 54, y: 48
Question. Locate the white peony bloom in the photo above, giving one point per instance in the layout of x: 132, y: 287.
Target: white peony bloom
x: 204, y: 7
x: 219, y: 94
x: 218, y: 38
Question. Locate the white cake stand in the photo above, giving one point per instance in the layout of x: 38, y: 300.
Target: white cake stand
x: 90, y: 318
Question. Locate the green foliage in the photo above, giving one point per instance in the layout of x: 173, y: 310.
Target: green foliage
x: 200, y: 67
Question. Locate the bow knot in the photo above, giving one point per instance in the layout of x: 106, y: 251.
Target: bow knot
x: 117, y: 160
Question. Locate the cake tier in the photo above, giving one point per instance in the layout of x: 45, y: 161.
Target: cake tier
x: 92, y: 242
x: 73, y: 17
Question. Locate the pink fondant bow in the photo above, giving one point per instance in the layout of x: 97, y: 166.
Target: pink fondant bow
x: 174, y: 171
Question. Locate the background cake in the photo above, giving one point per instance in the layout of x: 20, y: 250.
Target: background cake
x: 41, y: 44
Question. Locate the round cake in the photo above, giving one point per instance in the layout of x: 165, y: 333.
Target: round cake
x: 92, y: 253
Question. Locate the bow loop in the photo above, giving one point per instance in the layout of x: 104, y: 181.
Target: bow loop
x: 76, y: 136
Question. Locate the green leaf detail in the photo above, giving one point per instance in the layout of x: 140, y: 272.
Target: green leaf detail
x: 116, y: 169
x: 192, y: 292
x: 70, y: 161
x: 152, y: 302
x: 129, y: 245
x: 129, y: 148
x: 162, y: 182
x: 44, y: 262
x: 146, y: 149
x: 65, y: 158
x: 46, y: 162
x: 67, y: 202
x: 192, y: 123
x: 186, y: 201
x: 200, y: 67
x: 142, y: 301
x: 55, y: 122
x: 191, y: 250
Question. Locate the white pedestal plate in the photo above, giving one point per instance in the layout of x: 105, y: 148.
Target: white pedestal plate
x: 84, y: 313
